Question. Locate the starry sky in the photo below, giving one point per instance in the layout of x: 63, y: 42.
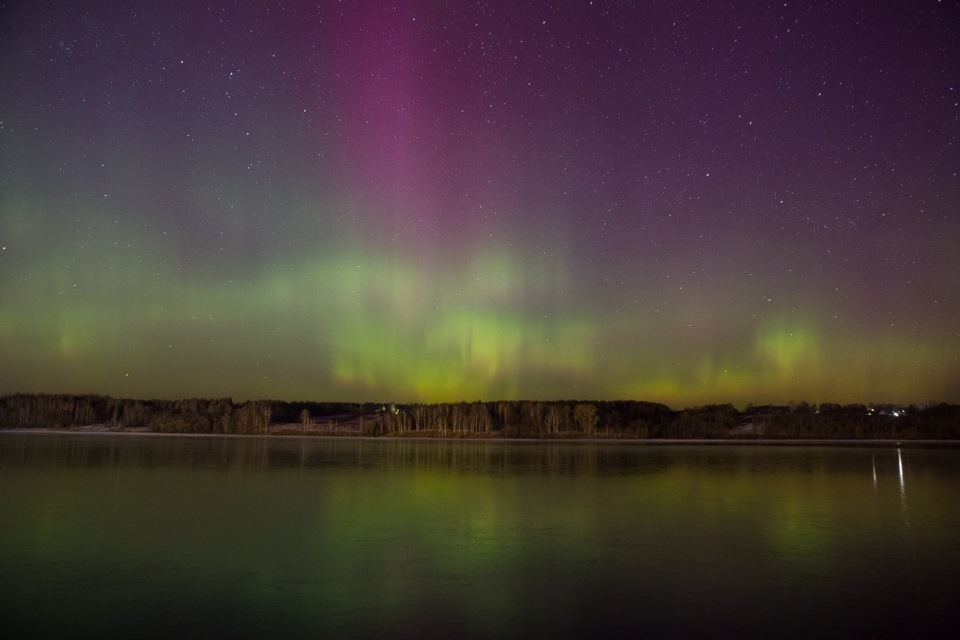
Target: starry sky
x: 681, y: 202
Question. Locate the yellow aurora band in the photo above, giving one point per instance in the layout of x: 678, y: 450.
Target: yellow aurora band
x: 126, y: 318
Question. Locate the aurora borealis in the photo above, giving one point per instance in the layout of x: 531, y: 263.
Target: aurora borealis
x: 679, y: 202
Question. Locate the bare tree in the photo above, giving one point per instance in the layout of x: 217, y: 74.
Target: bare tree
x: 585, y: 415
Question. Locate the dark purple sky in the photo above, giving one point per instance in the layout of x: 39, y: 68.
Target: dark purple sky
x: 683, y: 202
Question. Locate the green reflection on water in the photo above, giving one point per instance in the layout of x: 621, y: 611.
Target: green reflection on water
x: 373, y: 538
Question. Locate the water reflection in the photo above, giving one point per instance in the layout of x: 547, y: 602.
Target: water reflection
x: 454, y: 456
x: 252, y: 536
x: 903, y: 486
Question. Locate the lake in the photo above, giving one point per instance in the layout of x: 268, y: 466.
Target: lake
x: 149, y: 536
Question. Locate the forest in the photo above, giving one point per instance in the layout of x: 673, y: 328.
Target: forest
x: 506, y: 419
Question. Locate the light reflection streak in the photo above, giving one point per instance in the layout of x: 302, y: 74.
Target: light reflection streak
x: 903, y: 487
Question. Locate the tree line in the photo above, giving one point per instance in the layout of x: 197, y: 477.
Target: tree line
x: 194, y: 415
x: 510, y: 419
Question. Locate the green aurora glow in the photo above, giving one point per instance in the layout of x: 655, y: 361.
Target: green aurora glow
x: 212, y: 216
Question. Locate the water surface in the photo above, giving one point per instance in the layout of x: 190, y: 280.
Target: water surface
x: 124, y: 536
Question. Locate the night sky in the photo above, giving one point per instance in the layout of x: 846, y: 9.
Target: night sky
x: 682, y: 202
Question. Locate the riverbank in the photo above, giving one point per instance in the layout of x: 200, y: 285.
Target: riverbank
x: 516, y: 419
x: 100, y: 430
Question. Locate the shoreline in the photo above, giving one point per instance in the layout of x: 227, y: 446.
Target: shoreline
x: 620, y: 420
x: 820, y: 442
